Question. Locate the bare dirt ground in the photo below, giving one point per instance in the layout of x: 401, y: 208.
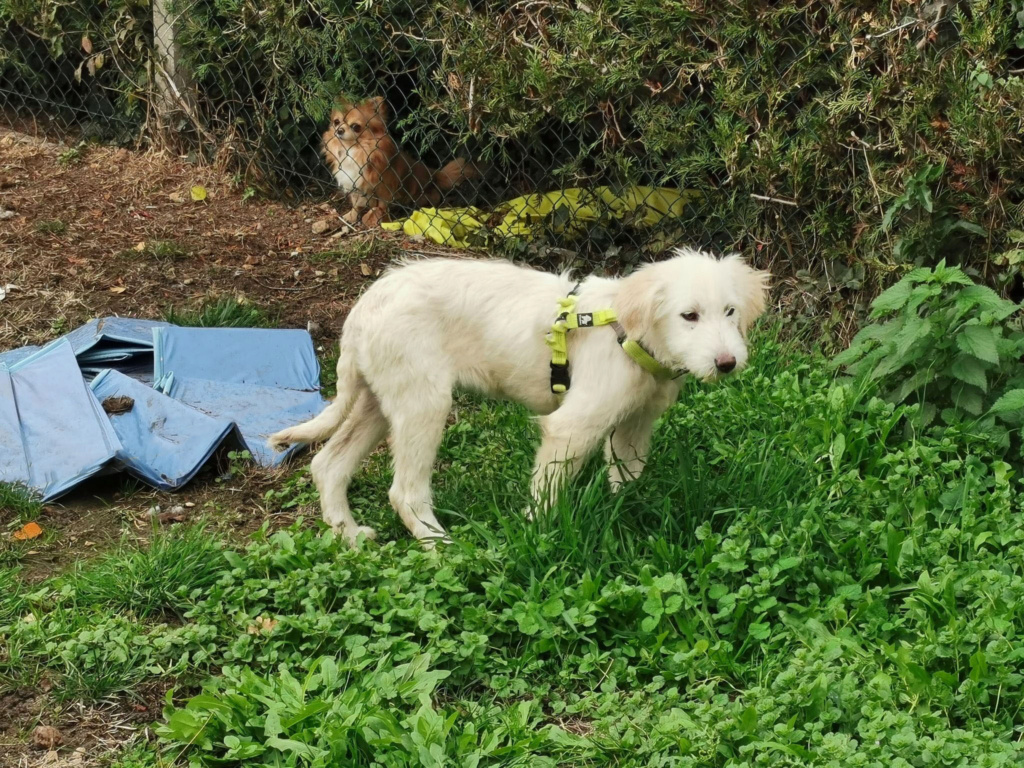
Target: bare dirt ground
x: 101, y: 231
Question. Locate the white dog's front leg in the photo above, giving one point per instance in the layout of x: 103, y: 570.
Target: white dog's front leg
x: 627, y: 447
x: 567, y: 439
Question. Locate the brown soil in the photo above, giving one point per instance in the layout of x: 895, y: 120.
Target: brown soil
x: 106, y: 231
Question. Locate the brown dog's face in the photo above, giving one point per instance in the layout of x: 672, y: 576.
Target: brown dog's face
x: 352, y: 122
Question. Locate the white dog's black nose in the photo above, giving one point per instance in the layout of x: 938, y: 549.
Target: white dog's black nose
x: 725, y: 363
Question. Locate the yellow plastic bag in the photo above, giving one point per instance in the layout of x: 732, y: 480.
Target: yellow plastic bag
x: 523, y: 216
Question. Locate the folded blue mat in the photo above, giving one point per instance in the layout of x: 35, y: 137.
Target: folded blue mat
x: 13, y: 461
x: 120, y: 343
x: 265, y: 357
x: 113, y: 333
x: 58, y: 427
x: 163, y: 441
x: 257, y: 411
x: 262, y: 379
x: 215, y: 385
x: 11, y: 356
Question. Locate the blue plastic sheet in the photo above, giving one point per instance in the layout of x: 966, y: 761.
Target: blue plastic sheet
x: 216, y: 384
x: 12, y: 356
x: 262, y: 379
x: 116, y: 343
x: 258, y: 411
x: 13, y: 461
x: 163, y: 442
x: 264, y: 357
x: 61, y: 432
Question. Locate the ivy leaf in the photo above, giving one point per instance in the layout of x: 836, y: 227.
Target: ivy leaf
x: 980, y: 341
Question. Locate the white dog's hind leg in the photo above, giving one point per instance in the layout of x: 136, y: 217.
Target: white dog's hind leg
x: 417, y: 426
x: 341, y: 457
x: 627, y: 447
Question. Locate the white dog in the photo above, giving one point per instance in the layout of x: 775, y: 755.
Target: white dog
x: 429, y: 327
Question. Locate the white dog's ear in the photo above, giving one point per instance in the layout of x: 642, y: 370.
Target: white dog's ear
x: 752, y: 287
x: 640, y: 297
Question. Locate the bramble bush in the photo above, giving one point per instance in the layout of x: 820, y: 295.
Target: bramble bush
x: 894, y: 134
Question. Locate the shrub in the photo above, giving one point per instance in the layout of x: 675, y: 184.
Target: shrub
x: 886, y: 136
x: 942, y: 341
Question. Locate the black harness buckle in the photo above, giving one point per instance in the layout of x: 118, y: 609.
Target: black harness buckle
x: 559, y: 378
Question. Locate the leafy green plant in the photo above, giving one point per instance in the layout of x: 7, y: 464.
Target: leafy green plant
x: 71, y: 155
x: 942, y: 341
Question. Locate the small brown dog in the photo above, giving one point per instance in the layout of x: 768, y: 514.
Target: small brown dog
x: 370, y: 166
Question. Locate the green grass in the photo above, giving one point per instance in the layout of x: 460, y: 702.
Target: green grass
x: 155, y: 581
x: 51, y: 227
x: 795, y: 580
x: 18, y: 503
x: 222, y: 312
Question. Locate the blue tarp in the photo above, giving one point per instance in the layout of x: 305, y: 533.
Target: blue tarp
x: 261, y: 379
x: 61, y: 435
x: 116, y: 343
x: 163, y: 442
x: 258, y: 411
x: 212, y: 386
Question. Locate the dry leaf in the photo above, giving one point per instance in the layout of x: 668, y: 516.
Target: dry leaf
x: 28, y: 531
x: 198, y: 193
x: 365, y: 269
x: 140, y: 247
x: 118, y: 404
x: 118, y: 289
x: 46, y: 737
x: 86, y: 44
x: 262, y: 624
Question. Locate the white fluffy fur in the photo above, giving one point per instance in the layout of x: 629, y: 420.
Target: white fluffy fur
x: 429, y: 327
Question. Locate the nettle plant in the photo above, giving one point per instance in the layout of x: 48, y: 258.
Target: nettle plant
x: 952, y: 346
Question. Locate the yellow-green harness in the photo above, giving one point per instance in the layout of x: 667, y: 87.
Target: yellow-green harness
x: 569, y: 319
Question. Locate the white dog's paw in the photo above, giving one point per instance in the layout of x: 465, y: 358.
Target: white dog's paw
x: 353, y: 534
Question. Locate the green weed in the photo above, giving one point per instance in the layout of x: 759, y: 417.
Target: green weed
x: 953, y: 346
x: 18, y: 503
x: 51, y: 227
x: 223, y: 312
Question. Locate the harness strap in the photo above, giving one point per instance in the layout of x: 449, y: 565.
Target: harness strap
x: 643, y: 358
x: 569, y: 319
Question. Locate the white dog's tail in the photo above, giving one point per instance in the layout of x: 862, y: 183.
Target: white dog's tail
x: 324, y: 425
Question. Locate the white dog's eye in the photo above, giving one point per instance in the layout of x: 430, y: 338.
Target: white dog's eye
x: 730, y: 311
x: 691, y: 317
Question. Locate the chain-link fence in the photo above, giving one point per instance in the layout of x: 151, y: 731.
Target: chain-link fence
x: 835, y: 135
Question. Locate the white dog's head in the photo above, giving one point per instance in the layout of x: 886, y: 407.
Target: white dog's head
x: 693, y: 311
